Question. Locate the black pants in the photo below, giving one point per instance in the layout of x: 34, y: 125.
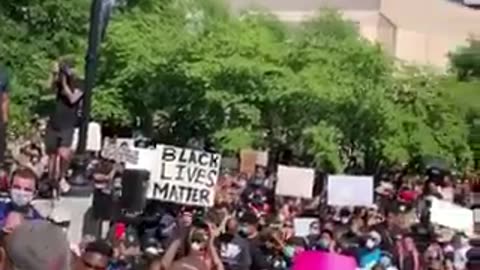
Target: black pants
x: 55, y: 138
x: 3, y: 142
x: 102, y: 205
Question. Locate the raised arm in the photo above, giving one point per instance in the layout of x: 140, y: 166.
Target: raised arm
x: 168, y: 258
x: 72, y: 94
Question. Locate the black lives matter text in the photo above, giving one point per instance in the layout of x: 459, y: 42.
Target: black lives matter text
x: 186, y: 176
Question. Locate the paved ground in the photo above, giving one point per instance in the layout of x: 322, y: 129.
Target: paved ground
x: 69, y: 208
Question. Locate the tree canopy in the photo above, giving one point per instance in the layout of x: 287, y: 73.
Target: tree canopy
x: 466, y: 65
x: 189, y: 69
x: 466, y: 61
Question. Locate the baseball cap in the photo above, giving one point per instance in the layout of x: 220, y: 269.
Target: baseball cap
x: 38, y: 245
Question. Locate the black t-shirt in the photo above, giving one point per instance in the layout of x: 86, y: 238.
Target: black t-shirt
x: 65, y: 115
x: 259, y: 258
x: 234, y: 252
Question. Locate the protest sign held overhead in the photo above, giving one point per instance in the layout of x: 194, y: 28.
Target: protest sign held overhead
x: 302, y: 226
x: 262, y: 158
x: 295, y: 182
x: 185, y: 176
x: 451, y: 215
x: 119, y: 153
x: 248, y: 160
x: 350, y: 190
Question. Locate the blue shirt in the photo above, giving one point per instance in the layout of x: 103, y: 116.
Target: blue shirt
x: 7, y: 207
x: 369, y: 258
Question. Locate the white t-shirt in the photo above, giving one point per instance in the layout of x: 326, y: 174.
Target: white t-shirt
x: 460, y: 258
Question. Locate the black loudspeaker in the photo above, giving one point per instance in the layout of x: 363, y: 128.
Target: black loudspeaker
x: 134, y: 184
x: 102, y: 205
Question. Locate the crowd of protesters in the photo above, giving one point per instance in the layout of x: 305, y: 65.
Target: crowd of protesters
x: 248, y: 228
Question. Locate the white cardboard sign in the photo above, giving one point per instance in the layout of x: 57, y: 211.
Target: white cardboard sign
x: 184, y: 176
x: 295, y: 182
x: 94, y: 137
x: 302, y: 226
x: 450, y: 215
x: 349, y: 190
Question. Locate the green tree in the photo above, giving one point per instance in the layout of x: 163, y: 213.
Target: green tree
x: 188, y: 69
x: 466, y: 61
x: 319, y: 90
x: 34, y: 33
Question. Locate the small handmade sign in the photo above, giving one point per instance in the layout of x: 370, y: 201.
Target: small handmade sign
x: 119, y: 153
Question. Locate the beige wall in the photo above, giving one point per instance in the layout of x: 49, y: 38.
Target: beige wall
x: 426, y: 30
x: 426, y: 48
x: 419, y: 32
x: 367, y: 22
x: 387, y: 34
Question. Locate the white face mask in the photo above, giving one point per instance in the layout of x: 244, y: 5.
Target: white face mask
x: 21, y: 197
x: 196, y: 246
x: 370, y: 244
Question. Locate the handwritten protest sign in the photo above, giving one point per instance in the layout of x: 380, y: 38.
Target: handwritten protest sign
x: 295, y: 182
x: 302, y: 226
x: 350, y: 190
x: 147, y: 160
x: 119, y: 153
x: 185, y: 176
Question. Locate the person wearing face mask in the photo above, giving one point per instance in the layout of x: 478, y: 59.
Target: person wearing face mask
x: 344, y: 216
x: 370, y: 254
x: 293, y: 247
x: 249, y: 230
x: 22, y: 192
x: 387, y: 261
x: 234, y: 250
x: 313, y: 234
x: 201, y: 255
x: 326, y: 242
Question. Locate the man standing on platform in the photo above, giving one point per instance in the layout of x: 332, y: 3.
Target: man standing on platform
x: 62, y: 122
